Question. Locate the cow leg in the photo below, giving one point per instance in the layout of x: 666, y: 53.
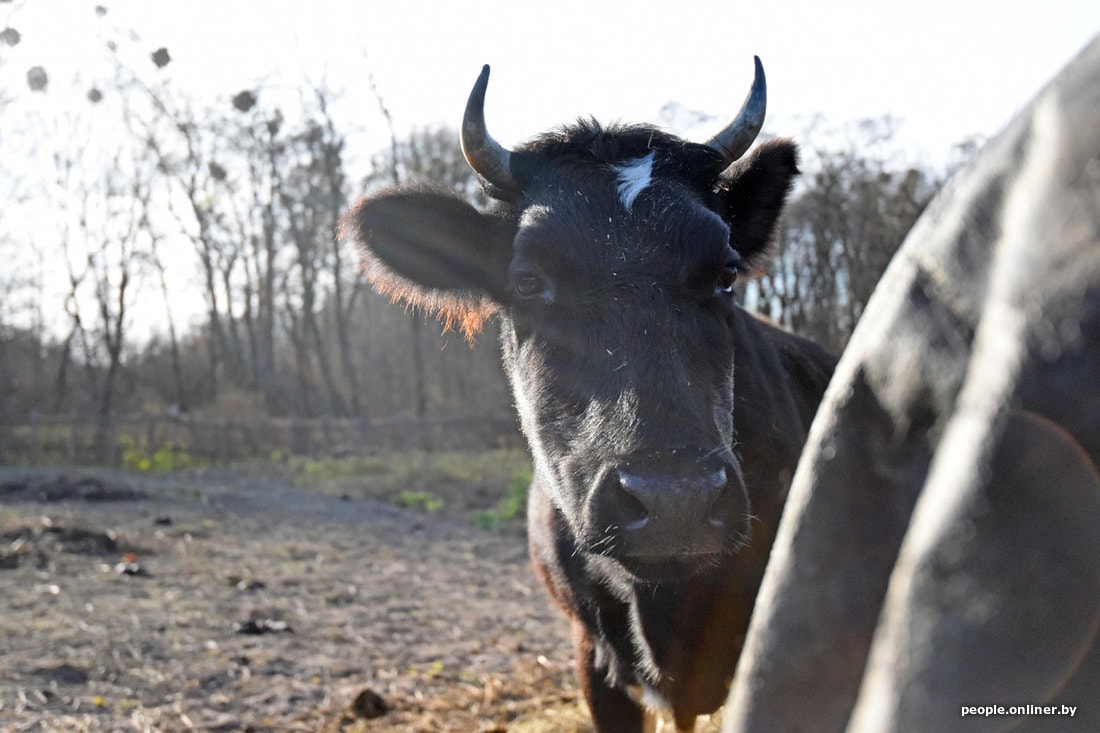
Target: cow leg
x: 613, y: 710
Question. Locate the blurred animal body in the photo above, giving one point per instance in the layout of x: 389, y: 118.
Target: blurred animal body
x: 940, y: 553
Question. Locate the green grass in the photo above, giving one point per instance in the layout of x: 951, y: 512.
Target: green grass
x: 51, y: 445
x: 165, y: 459
x: 403, y: 470
x: 487, y: 488
x: 511, y: 507
x: 423, y: 500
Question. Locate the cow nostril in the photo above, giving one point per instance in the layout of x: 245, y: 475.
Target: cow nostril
x: 632, y: 508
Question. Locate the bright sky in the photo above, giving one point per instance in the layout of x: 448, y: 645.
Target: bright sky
x: 946, y: 68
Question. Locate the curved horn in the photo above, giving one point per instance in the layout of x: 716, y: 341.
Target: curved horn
x: 733, y: 141
x: 485, y: 155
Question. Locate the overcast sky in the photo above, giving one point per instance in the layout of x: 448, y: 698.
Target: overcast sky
x: 946, y: 68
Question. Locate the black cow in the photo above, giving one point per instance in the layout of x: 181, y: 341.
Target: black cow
x: 938, y: 566
x: 610, y: 259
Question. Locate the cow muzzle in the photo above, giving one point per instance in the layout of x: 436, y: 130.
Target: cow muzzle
x: 682, y: 513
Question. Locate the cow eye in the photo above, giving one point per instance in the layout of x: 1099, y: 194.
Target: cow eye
x: 527, y: 285
x: 726, y: 279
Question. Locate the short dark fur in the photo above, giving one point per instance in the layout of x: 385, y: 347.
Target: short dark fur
x: 658, y: 487
x: 587, y: 142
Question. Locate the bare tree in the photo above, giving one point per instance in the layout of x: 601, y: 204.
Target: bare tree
x: 101, y: 198
x: 424, y: 366
x: 850, y: 214
x: 328, y: 156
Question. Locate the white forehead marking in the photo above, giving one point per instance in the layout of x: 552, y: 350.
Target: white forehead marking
x: 634, y: 176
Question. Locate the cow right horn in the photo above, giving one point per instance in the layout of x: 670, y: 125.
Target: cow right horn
x: 486, y: 156
x: 735, y: 139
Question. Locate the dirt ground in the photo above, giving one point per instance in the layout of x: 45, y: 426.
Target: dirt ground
x: 230, y: 601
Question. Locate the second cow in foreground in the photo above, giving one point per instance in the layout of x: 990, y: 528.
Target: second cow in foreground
x: 664, y: 421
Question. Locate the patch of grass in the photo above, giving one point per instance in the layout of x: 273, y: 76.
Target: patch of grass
x: 487, y: 487
x: 423, y: 500
x: 389, y: 474
x: 511, y: 506
x: 335, y: 470
x: 163, y: 460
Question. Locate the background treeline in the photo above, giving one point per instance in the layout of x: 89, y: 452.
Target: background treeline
x: 240, y: 201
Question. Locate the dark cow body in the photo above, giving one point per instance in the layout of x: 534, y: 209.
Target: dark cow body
x: 609, y: 259
x: 940, y: 550
x: 681, y: 637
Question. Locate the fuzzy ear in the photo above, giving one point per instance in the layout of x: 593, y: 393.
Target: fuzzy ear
x: 433, y: 250
x: 753, y: 193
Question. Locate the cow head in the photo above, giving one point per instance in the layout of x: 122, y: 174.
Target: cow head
x: 610, y: 258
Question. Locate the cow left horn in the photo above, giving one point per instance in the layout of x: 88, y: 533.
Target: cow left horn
x: 485, y: 155
x: 733, y: 141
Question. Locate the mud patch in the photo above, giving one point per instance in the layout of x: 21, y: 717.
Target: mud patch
x: 62, y: 674
x: 75, y: 486
x: 40, y: 545
x: 261, y: 606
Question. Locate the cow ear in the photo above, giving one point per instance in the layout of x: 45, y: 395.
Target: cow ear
x: 753, y: 192
x: 431, y: 249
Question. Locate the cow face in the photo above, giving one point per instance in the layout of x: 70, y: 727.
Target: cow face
x: 610, y: 260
